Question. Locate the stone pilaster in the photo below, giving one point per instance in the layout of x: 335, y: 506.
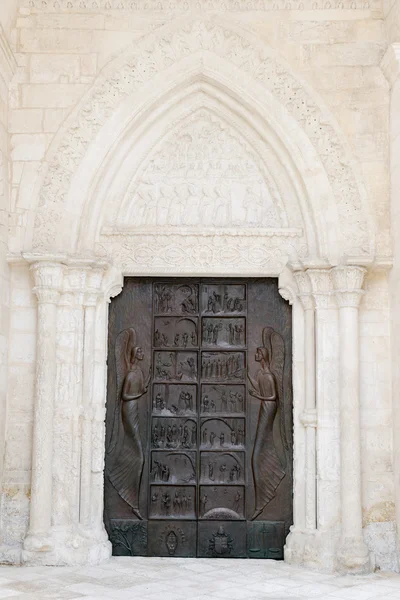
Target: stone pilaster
x: 48, y: 281
x: 353, y: 553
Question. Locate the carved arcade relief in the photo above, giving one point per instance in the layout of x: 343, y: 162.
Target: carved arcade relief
x: 206, y: 175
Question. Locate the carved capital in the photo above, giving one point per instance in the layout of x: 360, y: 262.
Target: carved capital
x: 348, y: 281
x: 48, y: 281
x: 349, y: 299
x: 94, y: 283
x: 322, y: 288
x: 91, y: 299
x: 82, y: 283
x: 304, y: 284
x: 75, y: 283
x: 309, y: 418
x: 95, y: 279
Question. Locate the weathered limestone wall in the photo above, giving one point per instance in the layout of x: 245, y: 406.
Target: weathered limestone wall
x: 61, y: 46
x: 7, y: 69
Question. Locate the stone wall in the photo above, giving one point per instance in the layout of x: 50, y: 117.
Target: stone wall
x: 337, y: 52
x: 7, y: 69
x: 336, y: 48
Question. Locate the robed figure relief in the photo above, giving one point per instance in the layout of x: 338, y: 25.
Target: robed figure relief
x: 268, y: 459
x: 125, y: 453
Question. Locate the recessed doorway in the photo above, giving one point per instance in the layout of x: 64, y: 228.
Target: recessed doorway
x: 199, y: 418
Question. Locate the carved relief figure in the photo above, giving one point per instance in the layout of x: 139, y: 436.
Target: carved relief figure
x: 268, y: 467
x: 204, y: 173
x: 125, y: 452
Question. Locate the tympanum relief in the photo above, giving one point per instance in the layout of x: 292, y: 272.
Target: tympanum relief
x: 200, y: 443
x: 206, y: 175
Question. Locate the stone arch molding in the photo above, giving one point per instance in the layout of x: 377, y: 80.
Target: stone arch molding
x: 128, y: 97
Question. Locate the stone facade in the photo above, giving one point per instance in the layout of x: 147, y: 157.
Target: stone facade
x: 245, y: 138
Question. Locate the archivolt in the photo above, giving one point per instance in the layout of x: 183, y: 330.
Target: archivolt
x: 125, y: 91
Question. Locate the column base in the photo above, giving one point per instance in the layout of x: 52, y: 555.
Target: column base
x: 354, y: 557
x: 311, y: 548
x: 37, y: 542
x: 10, y: 555
x: 68, y: 548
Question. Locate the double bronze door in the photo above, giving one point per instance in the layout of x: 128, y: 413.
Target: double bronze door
x: 199, y: 419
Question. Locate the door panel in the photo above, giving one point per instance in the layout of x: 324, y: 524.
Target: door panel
x: 199, y: 419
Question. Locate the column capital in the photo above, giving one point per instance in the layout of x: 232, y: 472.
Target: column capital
x: 83, y: 282
x: 322, y: 287
x: 48, y: 280
x: 305, y: 290
x: 94, y: 285
x: 348, y: 282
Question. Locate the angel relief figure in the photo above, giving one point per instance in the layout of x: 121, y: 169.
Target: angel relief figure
x: 269, y: 458
x: 125, y: 453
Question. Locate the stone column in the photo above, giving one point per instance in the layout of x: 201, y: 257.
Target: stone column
x: 353, y: 553
x: 94, y: 280
x: 327, y: 418
x: 309, y: 416
x: 48, y: 279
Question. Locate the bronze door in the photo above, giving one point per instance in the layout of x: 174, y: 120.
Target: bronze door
x: 199, y: 419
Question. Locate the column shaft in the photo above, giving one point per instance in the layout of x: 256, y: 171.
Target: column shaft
x: 310, y: 418
x: 350, y: 424
x: 41, y: 489
x: 353, y: 553
x: 86, y: 456
x: 48, y: 281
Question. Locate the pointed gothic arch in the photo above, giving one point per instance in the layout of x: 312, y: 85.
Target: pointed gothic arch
x: 142, y: 89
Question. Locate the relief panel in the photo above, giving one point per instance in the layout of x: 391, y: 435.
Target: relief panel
x: 174, y: 399
x: 175, y: 332
x: 223, y: 299
x: 222, y: 467
x: 223, y: 366
x: 172, y: 538
x: 175, y: 434
x: 128, y: 537
x: 222, y: 502
x: 176, y: 299
x: 222, y: 434
x: 172, y: 502
x: 204, y: 175
x: 223, y: 399
x: 173, y: 467
x: 224, y: 333
x: 221, y: 539
x: 266, y: 539
x: 175, y: 366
